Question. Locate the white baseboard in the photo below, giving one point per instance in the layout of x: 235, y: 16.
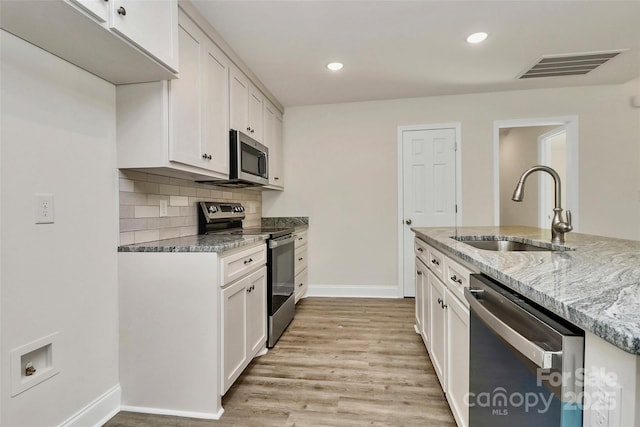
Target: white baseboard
x: 174, y: 413
x: 97, y: 412
x: 353, y: 291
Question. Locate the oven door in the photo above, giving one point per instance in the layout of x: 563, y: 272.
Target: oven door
x: 281, y: 278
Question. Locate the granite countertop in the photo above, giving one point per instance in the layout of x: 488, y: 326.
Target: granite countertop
x: 197, y: 243
x: 216, y: 242
x: 595, y: 285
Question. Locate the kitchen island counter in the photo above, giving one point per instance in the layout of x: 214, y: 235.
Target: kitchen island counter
x: 595, y: 285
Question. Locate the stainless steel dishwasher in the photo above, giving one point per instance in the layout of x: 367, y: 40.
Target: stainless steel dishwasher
x: 526, y: 365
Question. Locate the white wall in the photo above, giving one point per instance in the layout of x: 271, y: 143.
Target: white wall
x: 341, y: 169
x: 58, y: 136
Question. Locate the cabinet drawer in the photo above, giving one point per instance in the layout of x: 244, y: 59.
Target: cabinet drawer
x: 456, y: 278
x: 422, y: 251
x: 435, y: 262
x: 238, y: 264
x: 300, y: 261
x: 301, y: 239
x: 301, y: 284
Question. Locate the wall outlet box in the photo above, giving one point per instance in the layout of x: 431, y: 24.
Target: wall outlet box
x: 39, y: 356
x: 44, y: 208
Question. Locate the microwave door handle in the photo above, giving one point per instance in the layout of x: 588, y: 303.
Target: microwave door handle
x: 266, y: 165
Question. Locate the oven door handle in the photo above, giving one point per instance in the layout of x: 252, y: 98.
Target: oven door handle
x: 274, y: 243
x: 544, y: 359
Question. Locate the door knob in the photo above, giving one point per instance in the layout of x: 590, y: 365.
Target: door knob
x: 408, y: 222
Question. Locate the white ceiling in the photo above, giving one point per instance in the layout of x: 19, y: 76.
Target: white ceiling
x: 402, y: 49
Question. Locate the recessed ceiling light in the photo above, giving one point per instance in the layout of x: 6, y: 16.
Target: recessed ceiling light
x: 335, y: 66
x: 477, y: 38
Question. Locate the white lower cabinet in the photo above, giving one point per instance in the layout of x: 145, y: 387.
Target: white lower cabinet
x: 300, y: 266
x: 244, y: 324
x: 442, y: 319
x: 438, y: 328
x: 457, y: 376
x: 190, y: 323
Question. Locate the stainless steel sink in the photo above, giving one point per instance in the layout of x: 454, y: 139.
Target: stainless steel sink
x: 506, y: 243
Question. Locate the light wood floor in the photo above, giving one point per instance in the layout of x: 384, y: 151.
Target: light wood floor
x: 341, y: 362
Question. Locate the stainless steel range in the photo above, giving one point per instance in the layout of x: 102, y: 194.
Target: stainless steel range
x: 226, y: 218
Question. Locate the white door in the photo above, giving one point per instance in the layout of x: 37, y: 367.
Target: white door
x: 552, y: 152
x: 428, y: 189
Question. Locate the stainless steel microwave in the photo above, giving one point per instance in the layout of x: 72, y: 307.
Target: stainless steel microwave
x: 249, y: 159
x: 249, y: 162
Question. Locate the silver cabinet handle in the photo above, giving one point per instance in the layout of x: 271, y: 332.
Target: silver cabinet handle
x: 248, y: 261
x: 455, y: 279
x: 419, y: 273
x: 408, y: 222
x: 435, y: 261
x: 420, y: 250
x: 122, y: 11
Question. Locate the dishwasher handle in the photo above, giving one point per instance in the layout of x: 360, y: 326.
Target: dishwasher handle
x: 542, y: 358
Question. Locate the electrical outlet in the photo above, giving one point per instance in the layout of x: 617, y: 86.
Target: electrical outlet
x: 44, y: 208
x: 163, y: 207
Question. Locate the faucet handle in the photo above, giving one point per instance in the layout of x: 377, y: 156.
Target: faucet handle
x: 569, y: 225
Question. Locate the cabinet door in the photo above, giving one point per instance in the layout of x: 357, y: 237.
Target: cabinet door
x: 215, y: 78
x: 273, y: 139
x: 239, y: 101
x: 98, y: 9
x: 422, y: 302
x: 457, y: 358
x: 300, y: 284
x: 234, y: 332
x: 256, y: 311
x: 256, y: 105
x: 419, y: 277
x: 151, y: 25
x: 438, y: 328
x: 186, y: 99
x: 199, y: 103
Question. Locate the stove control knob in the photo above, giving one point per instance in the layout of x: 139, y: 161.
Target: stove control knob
x: 213, y: 209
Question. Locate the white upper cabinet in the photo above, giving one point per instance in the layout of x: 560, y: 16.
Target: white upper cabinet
x: 246, y: 106
x: 198, y: 102
x: 121, y: 41
x: 179, y: 128
x: 273, y: 139
x: 98, y: 9
x: 150, y: 25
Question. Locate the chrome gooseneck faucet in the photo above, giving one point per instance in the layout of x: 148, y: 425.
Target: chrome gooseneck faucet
x: 558, y: 226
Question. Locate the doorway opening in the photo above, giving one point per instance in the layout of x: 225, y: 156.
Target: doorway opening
x: 520, y: 144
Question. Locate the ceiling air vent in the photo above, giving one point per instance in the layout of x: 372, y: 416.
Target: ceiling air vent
x: 568, y: 65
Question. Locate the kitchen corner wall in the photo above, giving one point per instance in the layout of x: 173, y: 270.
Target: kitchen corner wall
x: 140, y: 196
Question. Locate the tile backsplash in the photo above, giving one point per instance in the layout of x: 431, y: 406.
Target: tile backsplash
x: 140, y: 196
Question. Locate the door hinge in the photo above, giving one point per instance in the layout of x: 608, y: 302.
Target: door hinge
x: 456, y: 208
